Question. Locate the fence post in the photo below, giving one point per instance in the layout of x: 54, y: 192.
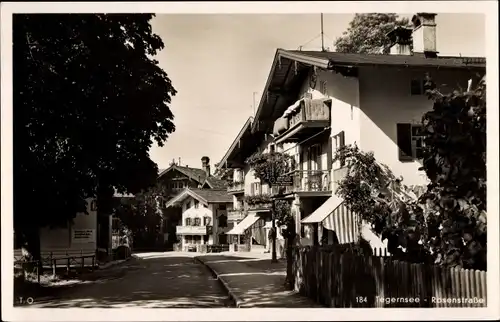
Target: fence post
x: 382, y: 282
x: 67, y: 265
x: 38, y: 266
x: 483, y: 288
x: 53, y: 267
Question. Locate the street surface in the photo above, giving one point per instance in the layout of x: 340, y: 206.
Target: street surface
x: 154, y: 280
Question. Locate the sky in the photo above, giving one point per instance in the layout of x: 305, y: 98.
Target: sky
x: 217, y: 61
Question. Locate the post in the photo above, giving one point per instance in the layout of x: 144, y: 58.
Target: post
x: 274, y: 234
x: 38, y: 267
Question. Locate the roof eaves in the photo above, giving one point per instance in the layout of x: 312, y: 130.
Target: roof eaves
x: 305, y: 59
x: 245, y: 127
x: 302, y: 58
x: 197, y: 196
x: 268, y: 82
x: 165, y: 171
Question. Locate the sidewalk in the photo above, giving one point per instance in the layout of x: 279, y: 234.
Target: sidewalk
x: 255, y: 282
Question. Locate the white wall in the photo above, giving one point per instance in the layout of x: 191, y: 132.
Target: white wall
x: 249, y: 173
x: 61, y: 239
x: 385, y: 100
x: 344, y: 93
x: 189, y: 211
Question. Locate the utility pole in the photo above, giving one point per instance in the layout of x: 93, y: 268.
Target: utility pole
x: 322, y: 36
x: 275, y: 233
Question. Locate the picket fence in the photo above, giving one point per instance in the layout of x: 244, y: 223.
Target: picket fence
x: 345, y: 280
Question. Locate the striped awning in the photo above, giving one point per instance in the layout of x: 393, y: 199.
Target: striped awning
x: 344, y: 223
x: 248, y: 221
x: 334, y: 215
x: 323, y: 211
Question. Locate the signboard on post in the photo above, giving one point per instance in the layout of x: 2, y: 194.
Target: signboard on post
x: 83, y: 236
x: 283, y: 181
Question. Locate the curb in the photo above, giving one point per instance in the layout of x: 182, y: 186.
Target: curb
x: 115, y: 263
x: 236, y: 299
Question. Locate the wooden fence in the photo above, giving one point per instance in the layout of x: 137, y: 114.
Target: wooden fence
x: 54, y: 261
x: 343, y: 280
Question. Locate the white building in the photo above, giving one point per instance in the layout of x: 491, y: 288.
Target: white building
x: 204, y: 217
x: 315, y: 102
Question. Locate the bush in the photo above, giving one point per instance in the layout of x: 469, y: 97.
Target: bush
x: 123, y: 252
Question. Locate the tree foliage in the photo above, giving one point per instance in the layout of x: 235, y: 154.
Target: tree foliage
x: 455, y: 162
x: 269, y: 167
x: 444, y: 222
x: 88, y: 102
x: 223, y: 173
x: 366, y: 33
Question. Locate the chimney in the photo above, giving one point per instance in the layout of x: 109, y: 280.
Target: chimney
x: 179, y: 161
x: 424, y: 34
x: 400, y: 39
x: 205, y: 165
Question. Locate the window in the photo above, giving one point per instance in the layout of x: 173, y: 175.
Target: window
x: 272, y: 148
x: 222, y: 207
x: 207, y: 221
x: 196, y: 204
x: 338, y: 142
x: 197, y: 221
x: 188, y: 221
x: 255, y: 189
x: 314, y: 157
x: 417, y: 87
x: 410, y: 141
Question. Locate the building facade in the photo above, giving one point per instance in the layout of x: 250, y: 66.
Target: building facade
x: 316, y: 102
x: 204, y: 217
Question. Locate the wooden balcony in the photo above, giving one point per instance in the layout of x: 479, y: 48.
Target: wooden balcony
x: 235, y: 215
x: 311, y: 182
x: 308, y: 118
x: 258, y: 202
x: 236, y: 188
x: 192, y: 230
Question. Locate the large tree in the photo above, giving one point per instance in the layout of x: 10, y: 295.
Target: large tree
x: 89, y: 100
x: 367, y: 33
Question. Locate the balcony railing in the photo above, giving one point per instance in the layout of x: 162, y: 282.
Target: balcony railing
x: 192, y: 230
x: 236, y: 187
x: 307, y: 118
x: 235, y: 215
x: 258, y: 202
x: 310, y: 181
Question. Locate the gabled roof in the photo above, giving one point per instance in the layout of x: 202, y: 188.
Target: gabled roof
x: 245, y: 131
x: 290, y: 68
x: 198, y: 175
x: 339, y: 59
x: 206, y: 196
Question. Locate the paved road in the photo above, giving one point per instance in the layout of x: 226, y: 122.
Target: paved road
x: 156, y: 280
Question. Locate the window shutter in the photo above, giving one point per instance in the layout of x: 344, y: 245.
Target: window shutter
x: 404, y: 141
x: 342, y: 139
